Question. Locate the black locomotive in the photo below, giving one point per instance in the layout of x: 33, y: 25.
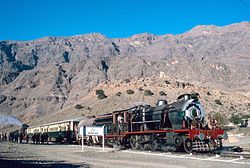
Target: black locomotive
x: 166, y: 126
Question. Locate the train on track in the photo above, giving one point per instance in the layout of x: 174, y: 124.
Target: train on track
x: 168, y: 127
x: 179, y: 125
x: 61, y: 131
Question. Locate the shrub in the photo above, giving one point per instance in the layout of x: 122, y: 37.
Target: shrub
x: 148, y: 93
x: 167, y: 82
x: 127, y: 80
x: 162, y: 93
x: 222, y: 120
x: 246, y: 116
x: 130, y: 91
x: 99, y: 92
x: 78, y: 106
x: 208, y: 93
x: 140, y: 89
x: 236, y: 119
x: 118, y: 94
x: 101, y: 96
x: 217, y: 101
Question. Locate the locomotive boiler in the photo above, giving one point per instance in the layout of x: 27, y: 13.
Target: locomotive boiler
x: 180, y: 114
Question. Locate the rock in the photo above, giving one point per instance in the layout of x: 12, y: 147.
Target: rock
x: 2, y: 98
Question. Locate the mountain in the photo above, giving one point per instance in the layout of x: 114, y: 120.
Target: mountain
x: 49, y: 76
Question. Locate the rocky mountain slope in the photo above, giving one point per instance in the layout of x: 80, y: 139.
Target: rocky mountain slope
x: 49, y: 76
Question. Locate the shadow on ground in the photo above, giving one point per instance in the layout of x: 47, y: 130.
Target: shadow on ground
x: 38, y: 164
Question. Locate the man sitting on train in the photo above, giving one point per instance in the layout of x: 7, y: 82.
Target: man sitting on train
x: 211, y: 122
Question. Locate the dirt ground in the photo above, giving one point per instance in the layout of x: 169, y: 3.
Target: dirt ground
x: 36, y: 155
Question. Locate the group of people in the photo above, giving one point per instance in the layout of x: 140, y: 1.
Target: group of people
x: 13, y: 137
x: 38, y: 138
x: 16, y: 137
x: 210, y: 123
x: 3, y: 137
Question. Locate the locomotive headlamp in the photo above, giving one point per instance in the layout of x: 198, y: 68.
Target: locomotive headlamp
x: 201, y: 136
x: 225, y: 136
x: 194, y: 112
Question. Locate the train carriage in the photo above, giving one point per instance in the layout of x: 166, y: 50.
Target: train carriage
x: 61, y: 131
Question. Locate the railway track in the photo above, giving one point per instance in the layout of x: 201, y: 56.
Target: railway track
x: 226, y: 153
x: 234, y: 159
x: 234, y: 155
x: 227, y: 156
x: 234, y: 152
x: 245, y: 155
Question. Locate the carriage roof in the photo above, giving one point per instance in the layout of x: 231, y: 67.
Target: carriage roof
x: 57, y: 122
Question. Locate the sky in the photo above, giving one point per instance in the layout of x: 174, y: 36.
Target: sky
x: 32, y: 19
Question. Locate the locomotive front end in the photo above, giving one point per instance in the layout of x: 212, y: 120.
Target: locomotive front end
x: 187, y: 110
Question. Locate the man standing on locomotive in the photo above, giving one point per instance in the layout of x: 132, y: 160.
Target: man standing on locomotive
x: 120, y: 122
x: 76, y: 132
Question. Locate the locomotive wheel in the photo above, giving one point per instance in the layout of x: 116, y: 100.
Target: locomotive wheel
x: 220, y: 144
x: 147, y: 139
x: 187, y: 144
x: 212, y: 144
x: 177, y: 140
x: 153, y: 145
x: 134, y: 142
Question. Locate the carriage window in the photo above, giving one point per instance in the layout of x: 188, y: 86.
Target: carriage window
x: 63, y: 128
x: 53, y: 129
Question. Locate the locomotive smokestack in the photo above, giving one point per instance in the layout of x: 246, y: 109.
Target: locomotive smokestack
x: 161, y: 103
x: 186, y: 97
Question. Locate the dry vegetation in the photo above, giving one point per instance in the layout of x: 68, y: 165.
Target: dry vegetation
x: 214, y: 101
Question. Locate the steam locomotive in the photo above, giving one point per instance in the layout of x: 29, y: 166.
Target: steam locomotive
x: 170, y: 127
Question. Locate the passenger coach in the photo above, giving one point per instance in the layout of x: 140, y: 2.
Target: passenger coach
x: 61, y: 131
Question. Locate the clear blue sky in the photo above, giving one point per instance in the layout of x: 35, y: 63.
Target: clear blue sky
x: 32, y: 19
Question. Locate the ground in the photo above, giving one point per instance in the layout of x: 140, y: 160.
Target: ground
x: 52, y: 155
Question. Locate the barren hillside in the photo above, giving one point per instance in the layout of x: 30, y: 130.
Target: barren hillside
x: 46, y: 77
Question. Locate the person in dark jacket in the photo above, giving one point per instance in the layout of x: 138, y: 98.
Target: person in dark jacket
x: 27, y: 138
x: 33, y: 138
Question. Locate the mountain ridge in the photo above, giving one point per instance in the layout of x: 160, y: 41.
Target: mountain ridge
x: 42, y: 76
